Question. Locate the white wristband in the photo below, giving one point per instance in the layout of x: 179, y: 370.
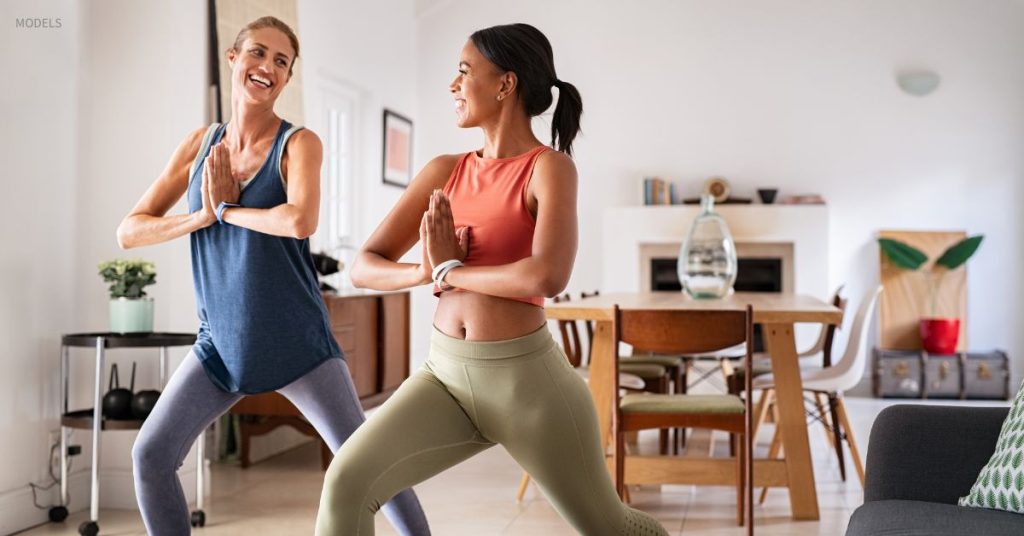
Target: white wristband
x: 439, y: 280
x: 444, y: 266
x: 441, y: 283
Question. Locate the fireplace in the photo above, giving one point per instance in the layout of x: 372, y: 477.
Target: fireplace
x: 752, y: 275
x: 761, y: 267
x: 796, y: 236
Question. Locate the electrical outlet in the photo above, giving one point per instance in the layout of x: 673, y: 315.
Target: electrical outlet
x: 53, y: 448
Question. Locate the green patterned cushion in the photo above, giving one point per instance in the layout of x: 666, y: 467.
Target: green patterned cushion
x: 1000, y: 484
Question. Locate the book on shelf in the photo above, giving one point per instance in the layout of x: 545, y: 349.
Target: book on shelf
x: 802, y: 199
x: 658, y: 191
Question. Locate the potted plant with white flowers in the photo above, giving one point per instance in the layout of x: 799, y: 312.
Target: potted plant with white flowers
x: 131, y: 311
x: 938, y: 335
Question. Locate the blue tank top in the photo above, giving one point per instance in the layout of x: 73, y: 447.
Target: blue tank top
x: 262, y: 321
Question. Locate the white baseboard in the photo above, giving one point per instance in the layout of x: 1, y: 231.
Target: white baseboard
x: 117, y: 491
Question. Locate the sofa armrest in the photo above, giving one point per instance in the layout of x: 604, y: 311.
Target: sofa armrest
x: 929, y: 453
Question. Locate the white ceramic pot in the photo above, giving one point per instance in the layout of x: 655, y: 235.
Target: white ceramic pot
x: 131, y: 315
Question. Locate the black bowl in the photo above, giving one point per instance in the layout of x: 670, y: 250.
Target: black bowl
x: 767, y: 195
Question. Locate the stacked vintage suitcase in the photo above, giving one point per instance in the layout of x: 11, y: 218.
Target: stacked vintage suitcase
x: 918, y: 374
x: 900, y: 368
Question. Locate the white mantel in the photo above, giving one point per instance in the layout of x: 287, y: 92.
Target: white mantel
x: 627, y: 229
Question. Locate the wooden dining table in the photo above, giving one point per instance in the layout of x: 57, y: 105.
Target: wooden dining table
x: 777, y: 314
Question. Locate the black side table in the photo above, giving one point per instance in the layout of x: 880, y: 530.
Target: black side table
x: 92, y: 418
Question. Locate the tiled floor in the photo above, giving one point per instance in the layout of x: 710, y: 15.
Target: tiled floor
x: 280, y: 495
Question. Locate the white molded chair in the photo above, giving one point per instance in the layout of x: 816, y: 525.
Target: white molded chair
x: 811, y: 358
x: 831, y: 382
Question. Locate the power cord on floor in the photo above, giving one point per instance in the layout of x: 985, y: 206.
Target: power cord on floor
x: 54, y: 478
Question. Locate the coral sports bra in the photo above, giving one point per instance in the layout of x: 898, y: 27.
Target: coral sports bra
x: 489, y: 195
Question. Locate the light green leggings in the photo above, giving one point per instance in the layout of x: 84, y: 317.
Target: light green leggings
x: 521, y: 393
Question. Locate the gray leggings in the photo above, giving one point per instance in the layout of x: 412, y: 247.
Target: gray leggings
x: 191, y: 402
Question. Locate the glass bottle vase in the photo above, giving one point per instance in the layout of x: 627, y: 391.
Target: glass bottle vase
x: 707, y: 259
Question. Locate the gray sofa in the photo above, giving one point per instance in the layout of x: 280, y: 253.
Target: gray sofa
x: 921, y: 459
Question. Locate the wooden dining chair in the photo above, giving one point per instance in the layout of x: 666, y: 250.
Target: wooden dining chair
x: 683, y: 332
x: 665, y: 372
x: 574, y: 353
x: 661, y: 374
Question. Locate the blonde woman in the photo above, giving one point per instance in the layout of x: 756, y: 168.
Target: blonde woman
x: 252, y: 187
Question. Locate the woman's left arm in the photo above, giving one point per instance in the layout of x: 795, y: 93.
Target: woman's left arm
x: 546, y: 271
x: 299, y: 215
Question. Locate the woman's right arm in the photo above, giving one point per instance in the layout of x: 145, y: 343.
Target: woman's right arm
x: 376, y: 265
x: 147, y: 223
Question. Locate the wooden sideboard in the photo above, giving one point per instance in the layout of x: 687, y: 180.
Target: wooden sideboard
x: 373, y: 332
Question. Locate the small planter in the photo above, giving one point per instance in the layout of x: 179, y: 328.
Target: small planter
x: 939, y: 335
x: 131, y: 315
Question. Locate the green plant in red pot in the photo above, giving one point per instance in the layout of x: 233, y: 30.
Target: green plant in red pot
x: 938, y: 335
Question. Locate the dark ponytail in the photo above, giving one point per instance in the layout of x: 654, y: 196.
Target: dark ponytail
x: 524, y: 50
x: 566, y: 122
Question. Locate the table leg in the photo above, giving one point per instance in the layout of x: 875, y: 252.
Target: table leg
x: 602, y: 372
x: 789, y: 399
x: 97, y: 423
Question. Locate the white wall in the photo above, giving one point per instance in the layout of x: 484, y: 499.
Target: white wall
x: 36, y: 259
x: 142, y: 90
x: 798, y: 95
x: 369, y: 48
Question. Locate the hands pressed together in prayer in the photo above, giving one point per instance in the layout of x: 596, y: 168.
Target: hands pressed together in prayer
x: 218, y: 183
x: 441, y: 240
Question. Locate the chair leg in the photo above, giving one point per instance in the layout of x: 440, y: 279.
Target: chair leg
x: 848, y: 432
x: 663, y: 434
x: 727, y: 370
x: 773, y: 452
x: 741, y: 492
x: 837, y: 436
x: 823, y: 416
x: 679, y: 434
x: 761, y: 411
x: 619, y: 459
x: 748, y: 482
x: 522, y: 486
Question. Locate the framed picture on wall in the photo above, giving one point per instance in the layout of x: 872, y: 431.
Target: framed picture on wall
x: 397, y: 149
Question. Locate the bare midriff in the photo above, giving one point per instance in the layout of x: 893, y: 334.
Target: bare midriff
x: 479, y: 317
